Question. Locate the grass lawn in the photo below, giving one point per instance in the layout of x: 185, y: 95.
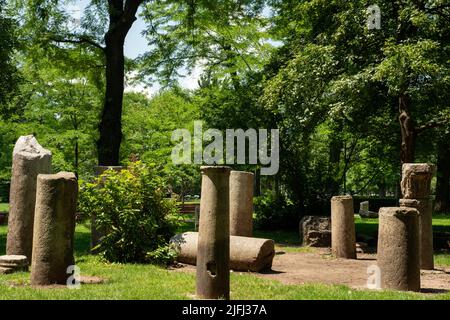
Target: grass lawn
x: 4, y: 207
x: 137, y: 281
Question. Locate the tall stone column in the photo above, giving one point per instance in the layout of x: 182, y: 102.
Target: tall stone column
x: 241, y: 203
x: 343, y: 238
x: 213, y: 260
x: 398, y: 248
x: 416, y: 185
x: 54, y: 228
x: 29, y: 160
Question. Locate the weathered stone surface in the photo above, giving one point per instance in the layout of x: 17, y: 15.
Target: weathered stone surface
x: 315, y: 231
x: 343, y: 239
x: 54, y: 227
x: 213, y: 255
x: 11, y: 261
x: 241, y: 203
x: 246, y: 254
x: 362, y: 247
x: 398, y: 248
x: 364, y: 211
x: 416, y: 180
x: 4, y: 270
x: 425, y: 208
x: 29, y: 160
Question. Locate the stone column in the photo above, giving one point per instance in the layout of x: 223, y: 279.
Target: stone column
x: 416, y: 185
x: 343, y: 238
x: 241, y: 203
x: 213, y: 260
x: 96, y: 233
x: 398, y: 248
x: 29, y: 160
x: 54, y: 228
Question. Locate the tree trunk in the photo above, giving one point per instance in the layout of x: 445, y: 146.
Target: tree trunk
x: 443, y: 177
x: 111, y: 123
x: 121, y: 18
x: 408, y: 132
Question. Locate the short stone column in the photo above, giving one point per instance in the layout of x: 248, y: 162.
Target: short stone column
x: 416, y: 185
x: 54, y: 228
x: 398, y: 248
x: 29, y: 160
x: 97, y: 233
x: 213, y: 257
x: 343, y: 238
x: 241, y: 203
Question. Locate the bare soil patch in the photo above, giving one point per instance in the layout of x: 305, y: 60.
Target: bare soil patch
x: 319, y: 266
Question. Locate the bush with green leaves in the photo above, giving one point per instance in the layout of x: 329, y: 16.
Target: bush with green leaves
x: 275, y: 212
x: 130, y: 208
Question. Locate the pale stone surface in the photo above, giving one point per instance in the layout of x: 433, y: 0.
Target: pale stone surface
x: 398, y: 248
x: 241, y: 203
x: 315, y: 231
x: 13, y: 261
x: 29, y: 160
x: 416, y: 180
x: 425, y: 208
x: 213, y: 257
x: 54, y: 228
x: 343, y: 238
x: 246, y: 254
x: 364, y: 211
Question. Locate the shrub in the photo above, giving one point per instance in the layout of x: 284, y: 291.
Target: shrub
x: 275, y: 213
x: 130, y: 208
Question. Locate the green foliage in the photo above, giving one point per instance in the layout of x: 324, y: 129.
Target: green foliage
x: 275, y: 212
x: 9, y: 75
x: 130, y: 206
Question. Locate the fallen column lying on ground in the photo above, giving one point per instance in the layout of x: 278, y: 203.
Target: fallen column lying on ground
x: 246, y: 254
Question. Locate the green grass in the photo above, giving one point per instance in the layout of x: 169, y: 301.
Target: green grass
x: 4, y: 207
x: 138, y: 281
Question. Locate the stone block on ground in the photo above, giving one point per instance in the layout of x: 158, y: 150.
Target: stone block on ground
x: 246, y: 254
x: 315, y: 231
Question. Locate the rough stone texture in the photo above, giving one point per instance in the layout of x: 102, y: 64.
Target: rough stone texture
x: 213, y: 255
x: 13, y: 263
x: 343, y: 238
x: 398, y: 248
x: 241, y: 203
x: 416, y: 180
x: 364, y: 211
x: 29, y: 160
x: 54, y: 227
x: 425, y: 208
x: 246, y: 254
x: 4, y: 270
x: 10, y: 261
x: 315, y: 231
x: 96, y: 233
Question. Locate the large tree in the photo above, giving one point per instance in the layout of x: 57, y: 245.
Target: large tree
x: 102, y: 29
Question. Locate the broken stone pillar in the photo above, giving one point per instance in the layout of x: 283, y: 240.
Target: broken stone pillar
x: 398, y: 248
x: 246, y: 254
x: 343, y: 238
x: 241, y: 203
x: 96, y: 233
x: 54, y: 228
x: 213, y: 252
x: 416, y: 185
x: 29, y: 160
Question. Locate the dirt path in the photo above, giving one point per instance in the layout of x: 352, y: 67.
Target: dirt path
x: 319, y: 266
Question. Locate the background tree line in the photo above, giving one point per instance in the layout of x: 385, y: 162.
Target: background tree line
x: 352, y: 104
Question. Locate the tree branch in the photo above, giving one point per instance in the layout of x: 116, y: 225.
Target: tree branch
x: 432, y: 124
x: 79, y: 40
